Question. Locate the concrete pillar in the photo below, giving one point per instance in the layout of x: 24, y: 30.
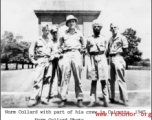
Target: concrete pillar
x: 80, y: 22
x: 39, y: 26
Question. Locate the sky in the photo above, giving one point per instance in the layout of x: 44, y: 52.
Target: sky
x: 18, y: 17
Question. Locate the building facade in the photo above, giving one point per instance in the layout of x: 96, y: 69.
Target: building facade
x: 55, y: 12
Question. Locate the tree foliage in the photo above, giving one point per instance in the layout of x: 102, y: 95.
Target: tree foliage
x: 13, y: 51
x: 134, y: 54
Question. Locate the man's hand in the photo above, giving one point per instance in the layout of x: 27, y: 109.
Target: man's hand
x: 55, y: 56
x: 125, y: 51
x: 34, y: 61
x: 82, y: 51
x: 52, y: 58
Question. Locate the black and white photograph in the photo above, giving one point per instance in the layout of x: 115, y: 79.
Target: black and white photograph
x: 76, y: 54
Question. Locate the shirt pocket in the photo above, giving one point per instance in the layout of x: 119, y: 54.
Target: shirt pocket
x: 118, y: 44
x: 39, y: 45
x: 39, y: 48
x: 101, y: 45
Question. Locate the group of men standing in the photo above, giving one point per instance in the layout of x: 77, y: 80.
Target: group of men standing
x: 64, y: 53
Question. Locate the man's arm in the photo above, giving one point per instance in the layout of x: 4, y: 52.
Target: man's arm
x: 60, y: 45
x: 125, y: 45
x: 107, y: 48
x: 83, y: 43
x: 32, y: 52
x: 125, y: 50
x: 32, y: 49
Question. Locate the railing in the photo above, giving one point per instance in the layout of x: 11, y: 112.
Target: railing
x: 15, y: 66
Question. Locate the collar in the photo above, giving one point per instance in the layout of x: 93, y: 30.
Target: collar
x: 67, y: 31
x: 54, y: 41
x: 96, y: 36
x: 42, y: 39
x: 116, y: 37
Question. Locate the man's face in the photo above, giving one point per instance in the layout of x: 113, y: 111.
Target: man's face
x: 114, y: 29
x: 71, y: 23
x: 45, y: 32
x: 96, y: 29
x: 54, y: 34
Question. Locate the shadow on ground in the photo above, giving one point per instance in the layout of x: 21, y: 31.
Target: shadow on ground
x: 135, y: 100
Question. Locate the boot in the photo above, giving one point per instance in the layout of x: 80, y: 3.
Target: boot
x: 80, y: 103
x: 112, y: 100
x: 44, y: 101
x: 92, y: 104
x: 32, y: 103
x: 105, y: 104
x: 62, y: 104
x: 126, y: 103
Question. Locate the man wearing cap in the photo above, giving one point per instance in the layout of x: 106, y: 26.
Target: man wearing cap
x: 117, y: 47
x: 39, y: 53
x: 71, y: 45
x: 55, y: 57
x: 98, y: 67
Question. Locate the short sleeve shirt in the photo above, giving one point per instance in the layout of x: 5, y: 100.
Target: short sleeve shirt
x: 55, y: 46
x: 41, y: 48
x: 72, y: 41
x: 116, y: 44
x: 96, y: 44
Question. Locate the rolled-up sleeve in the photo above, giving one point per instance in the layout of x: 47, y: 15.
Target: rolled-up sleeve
x: 88, y: 45
x: 125, y: 42
x: 60, y: 45
x: 83, y: 45
x: 32, y: 49
x: 107, y: 47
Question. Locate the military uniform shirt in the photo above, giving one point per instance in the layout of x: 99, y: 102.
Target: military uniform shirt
x: 71, y: 41
x: 54, y: 47
x: 116, y: 44
x: 96, y: 44
x: 40, y: 48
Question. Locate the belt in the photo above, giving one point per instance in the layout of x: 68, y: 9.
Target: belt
x: 70, y: 50
x: 113, y: 55
x: 97, y: 53
x: 40, y: 56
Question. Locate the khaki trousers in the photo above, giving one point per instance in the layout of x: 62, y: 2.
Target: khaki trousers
x: 72, y: 61
x: 42, y: 77
x: 117, y: 73
x: 56, y: 77
x: 99, y: 66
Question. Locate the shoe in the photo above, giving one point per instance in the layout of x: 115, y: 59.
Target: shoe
x: 112, y: 100
x: 105, y: 104
x: 27, y: 98
x: 91, y: 104
x: 62, y: 104
x: 32, y: 103
x: 80, y: 103
x: 45, y: 101
x: 126, y: 103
